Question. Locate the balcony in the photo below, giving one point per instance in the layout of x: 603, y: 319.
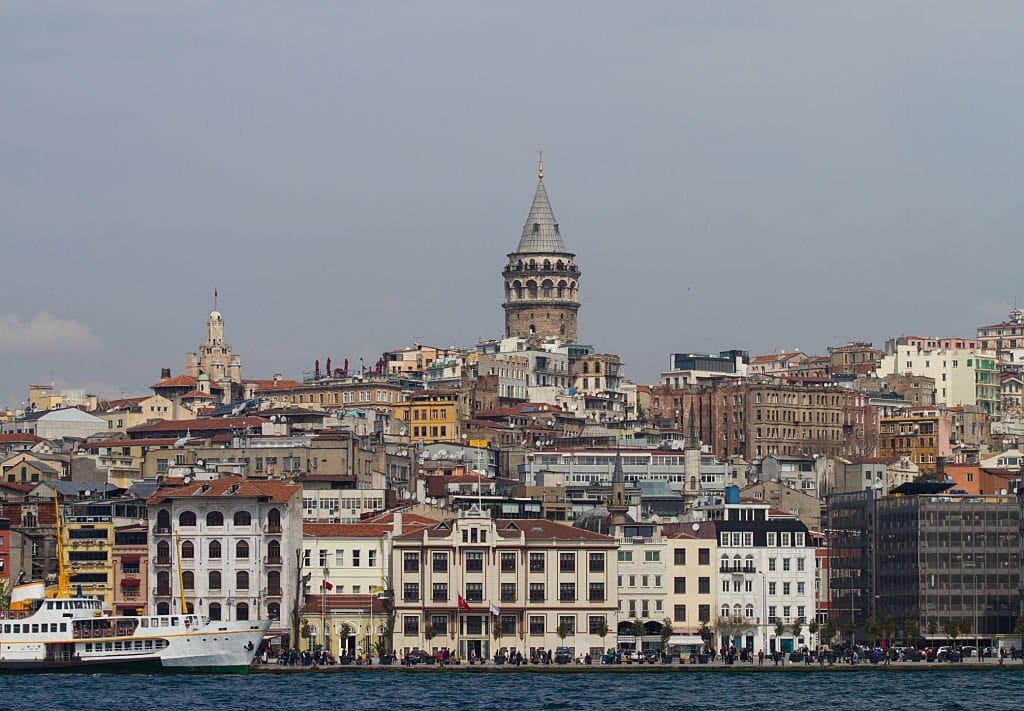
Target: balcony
x: 163, y: 560
x: 273, y: 560
x: 161, y: 592
x: 274, y: 592
x: 272, y: 528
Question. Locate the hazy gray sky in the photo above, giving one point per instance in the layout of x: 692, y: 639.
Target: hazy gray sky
x: 351, y: 175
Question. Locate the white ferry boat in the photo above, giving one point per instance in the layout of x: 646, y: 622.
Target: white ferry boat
x: 52, y: 630
x: 77, y: 634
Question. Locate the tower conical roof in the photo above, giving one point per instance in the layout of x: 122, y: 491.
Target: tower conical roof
x: 540, y: 233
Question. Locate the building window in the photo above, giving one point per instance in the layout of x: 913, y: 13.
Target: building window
x: 567, y: 562
x: 536, y: 562
x: 597, y: 562
x: 704, y: 613
x: 567, y: 592
x: 411, y: 562
x: 355, y: 558
x: 474, y: 561
x: 567, y: 623
x: 439, y: 592
x: 679, y: 613
x: 508, y: 592
x: 652, y: 556
x: 625, y: 556
x: 474, y: 592
x: 596, y: 624
x: 679, y: 556
x: 704, y: 556
x: 508, y: 562
x: 439, y: 623
x: 508, y: 625
x: 680, y: 586
x: 440, y: 562
x: 411, y: 592
x: 536, y: 625
x: 536, y: 592
x: 596, y: 592
x: 704, y: 586
x: 411, y: 625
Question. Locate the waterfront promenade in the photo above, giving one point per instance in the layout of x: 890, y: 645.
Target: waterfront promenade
x: 970, y: 665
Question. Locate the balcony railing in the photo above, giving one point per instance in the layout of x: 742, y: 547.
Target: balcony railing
x: 163, y: 560
x: 274, y: 592
x: 273, y: 560
x: 161, y: 592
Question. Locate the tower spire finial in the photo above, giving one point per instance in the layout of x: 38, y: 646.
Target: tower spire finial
x: 540, y: 166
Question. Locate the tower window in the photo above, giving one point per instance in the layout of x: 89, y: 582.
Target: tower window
x: 536, y: 227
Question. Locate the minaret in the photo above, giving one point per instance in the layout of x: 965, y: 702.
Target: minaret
x: 691, y: 458
x: 541, y: 279
x: 618, y: 504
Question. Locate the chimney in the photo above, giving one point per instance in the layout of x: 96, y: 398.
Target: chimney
x: 396, y: 526
x: 165, y: 373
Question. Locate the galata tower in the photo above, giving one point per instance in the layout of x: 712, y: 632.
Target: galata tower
x: 542, y: 281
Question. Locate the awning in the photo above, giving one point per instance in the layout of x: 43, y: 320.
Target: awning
x: 684, y: 640
x: 130, y: 559
x: 129, y: 582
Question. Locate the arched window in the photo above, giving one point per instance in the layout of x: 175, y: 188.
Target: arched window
x: 163, y: 552
x: 274, y: 583
x: 748, y: 563
x: 533, y: 262
x: 736, y: 611
x: 241, y: 611
x: 242, y: 550
x: 545, y: 288
x: 725, y: 611
x: 274, y: 551
x: 188, y: 549
x: 163, y: 608
x: 274, y: 520
x: 274, y: 611
x: 736, y: 562
x: 214, y: 578
x: 215, y: 518
x: 586, y: 367
x: 750, y: 610
x: 242, y: 518
x: 188, y: 580
x: 531, y: 289
x: 547, y: 264
x: 518, y: 287
x: 561, y: 265
x: 215, y: 611
x: 215, y: 549
x: 597, y: 366
x: 163, y: 520
x: 561, y: 289
x: 725, y: 563
x: 187, y: 518
x: 242, y: 580
x: 163, y: 583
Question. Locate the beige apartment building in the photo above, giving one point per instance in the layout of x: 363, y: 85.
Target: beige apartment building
x: 692, y: 583
x: 474, y: 585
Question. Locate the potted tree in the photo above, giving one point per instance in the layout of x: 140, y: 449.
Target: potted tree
x: 666, y: 634
x: 829, y: 630
x: 428, y: 634
x: 780, y: 629
x: 562, y: 631
x: 706, y: 634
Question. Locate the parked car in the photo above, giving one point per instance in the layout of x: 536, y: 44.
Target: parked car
x: 969, y: 651
x: 418, y: 656
x: 563, y: 655
x: 950, y: 655
x: 913, y: 655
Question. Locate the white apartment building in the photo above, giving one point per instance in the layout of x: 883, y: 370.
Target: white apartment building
x: 233, y: 545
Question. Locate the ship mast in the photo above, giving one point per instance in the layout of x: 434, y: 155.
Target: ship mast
x: 63, y: 579
x: 181, y: 577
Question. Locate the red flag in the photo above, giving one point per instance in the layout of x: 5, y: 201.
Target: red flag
x: 463, y: 605
x: 327, y: 585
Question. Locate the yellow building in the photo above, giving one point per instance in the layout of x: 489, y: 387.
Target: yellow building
x: 432, y: 415
x: 86, y: 546
x: 90, y: 551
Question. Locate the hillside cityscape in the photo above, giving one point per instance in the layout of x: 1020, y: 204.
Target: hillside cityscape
x: 522, y: 494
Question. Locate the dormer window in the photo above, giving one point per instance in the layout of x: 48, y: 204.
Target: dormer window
x: 536, y: 227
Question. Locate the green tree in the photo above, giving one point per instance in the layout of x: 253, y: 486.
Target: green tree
x: 305, y: 631
x: 429, y: 633
x: 705, y: 632
x: 872, y: 629
x: 911, y: 629
x: 829, y: 630
x: 666, y: 633
x: 965, y: 626
x: 951, y: 628
x: 798, y: 627
x: 813, y: 627
x: 849, y: 628
x: 933, y: 626
x: 562, y: 631
x: 602, y: 630
x: 780, y: 629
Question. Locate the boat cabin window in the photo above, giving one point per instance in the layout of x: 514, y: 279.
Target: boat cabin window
x: 174, y: 622
x: 49, y: 604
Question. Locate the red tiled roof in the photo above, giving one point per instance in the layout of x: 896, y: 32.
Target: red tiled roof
x: 122, y: 402
x: 154, y: 442
x: 277, y: 492
x: 196, y: 395
x: 407, y: 518
x: 19, y: 437
x: 178, y: 381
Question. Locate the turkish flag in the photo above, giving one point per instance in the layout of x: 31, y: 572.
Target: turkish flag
x: 463, y: 605
x: 327, y: 585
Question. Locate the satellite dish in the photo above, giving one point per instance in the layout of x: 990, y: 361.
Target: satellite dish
x: 695, y: 527
x: 200, y: 462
